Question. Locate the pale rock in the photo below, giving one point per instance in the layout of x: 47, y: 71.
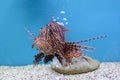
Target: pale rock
x: 80, y: 64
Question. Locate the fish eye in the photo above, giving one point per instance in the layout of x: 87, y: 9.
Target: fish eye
x: 49, y: 30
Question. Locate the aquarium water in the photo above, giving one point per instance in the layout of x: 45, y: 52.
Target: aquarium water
x: 84, y: 19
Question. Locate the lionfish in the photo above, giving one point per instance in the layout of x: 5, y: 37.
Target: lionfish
x: 51, y: 43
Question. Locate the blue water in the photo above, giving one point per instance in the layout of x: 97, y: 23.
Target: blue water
x: 86, y: 19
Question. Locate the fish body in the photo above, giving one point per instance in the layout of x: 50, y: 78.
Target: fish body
x: 51, y: 43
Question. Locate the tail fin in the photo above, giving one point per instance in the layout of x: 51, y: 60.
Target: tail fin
x: 31, y: 34
x: 90, y: 39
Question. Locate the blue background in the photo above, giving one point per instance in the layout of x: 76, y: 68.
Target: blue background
x: 87, y: 18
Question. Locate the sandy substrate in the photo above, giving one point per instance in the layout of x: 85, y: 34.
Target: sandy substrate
x: 107, y: 71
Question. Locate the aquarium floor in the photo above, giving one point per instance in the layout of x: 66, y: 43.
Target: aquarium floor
x: 107, y: 71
